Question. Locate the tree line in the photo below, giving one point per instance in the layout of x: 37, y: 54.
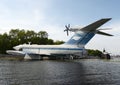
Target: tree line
x: 92, y: 52
x: 16, y: 37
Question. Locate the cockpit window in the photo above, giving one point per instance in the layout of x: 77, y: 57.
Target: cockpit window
x: 20, y: 49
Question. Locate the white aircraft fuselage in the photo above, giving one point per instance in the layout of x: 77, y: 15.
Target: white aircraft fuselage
x: 48, y: 49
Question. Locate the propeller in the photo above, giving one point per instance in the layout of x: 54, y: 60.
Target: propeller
x: 67, y: 29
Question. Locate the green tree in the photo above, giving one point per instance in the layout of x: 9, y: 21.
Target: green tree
x: 21, y: 37
x: 4, y: 43
x: 43, y: 34
x: 58, y: 42
x: 50, y: 42
x: 30, y: 34
x: 14, y: 33
x: 94, y: 52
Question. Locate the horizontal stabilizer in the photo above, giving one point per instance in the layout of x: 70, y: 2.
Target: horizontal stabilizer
x: 103, y: 33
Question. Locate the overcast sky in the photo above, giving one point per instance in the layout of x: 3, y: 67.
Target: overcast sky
x: 53, y: 15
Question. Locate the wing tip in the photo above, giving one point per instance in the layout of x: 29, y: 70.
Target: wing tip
x: 106, y: 18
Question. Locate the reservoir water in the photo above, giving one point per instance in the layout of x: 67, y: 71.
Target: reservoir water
x: 60, y: 72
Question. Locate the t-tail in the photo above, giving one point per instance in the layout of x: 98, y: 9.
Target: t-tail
x: 85, y: 34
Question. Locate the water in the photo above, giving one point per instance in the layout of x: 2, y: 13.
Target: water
x: 53, y: 72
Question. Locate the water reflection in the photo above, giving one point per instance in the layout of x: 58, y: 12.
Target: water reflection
x: 74, y: 72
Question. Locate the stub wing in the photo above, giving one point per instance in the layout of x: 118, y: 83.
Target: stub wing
x: 14, y: 52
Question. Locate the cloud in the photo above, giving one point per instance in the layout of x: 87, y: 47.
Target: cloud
x: 23, y: 14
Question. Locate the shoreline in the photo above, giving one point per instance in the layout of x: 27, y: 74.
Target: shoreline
x: 11, y: 57
x: 21, y: 57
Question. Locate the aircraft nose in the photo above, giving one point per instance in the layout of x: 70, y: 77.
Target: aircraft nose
x: 16, y: 47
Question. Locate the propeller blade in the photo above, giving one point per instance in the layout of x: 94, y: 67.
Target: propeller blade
x: 67, y: 33
x: 68, y: 25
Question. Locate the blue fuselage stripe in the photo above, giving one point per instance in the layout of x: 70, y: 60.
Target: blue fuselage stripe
x: 56, y: 48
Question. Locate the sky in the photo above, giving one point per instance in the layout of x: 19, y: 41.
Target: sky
x: 53, y: 15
